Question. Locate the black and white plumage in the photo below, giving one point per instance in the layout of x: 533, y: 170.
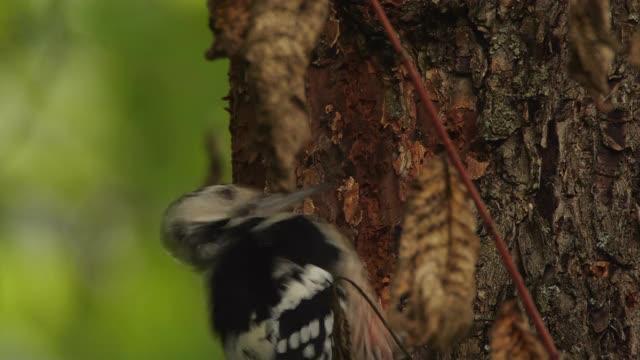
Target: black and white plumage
x: 270, y: 275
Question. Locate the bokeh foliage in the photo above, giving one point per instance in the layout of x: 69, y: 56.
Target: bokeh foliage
x: 103, y: 110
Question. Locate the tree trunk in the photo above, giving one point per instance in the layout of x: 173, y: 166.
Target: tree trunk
x: 559, y: 176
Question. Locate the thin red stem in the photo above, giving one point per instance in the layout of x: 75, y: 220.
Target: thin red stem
x: 464, y: 176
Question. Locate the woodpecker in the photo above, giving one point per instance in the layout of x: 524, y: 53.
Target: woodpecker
x: 271, y: 276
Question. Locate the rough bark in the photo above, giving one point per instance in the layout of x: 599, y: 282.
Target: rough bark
x: 560, y: 177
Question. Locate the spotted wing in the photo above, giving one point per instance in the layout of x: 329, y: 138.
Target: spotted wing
x: 304, y: 317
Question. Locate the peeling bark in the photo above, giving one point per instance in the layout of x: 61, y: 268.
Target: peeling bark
x: 560, y: 177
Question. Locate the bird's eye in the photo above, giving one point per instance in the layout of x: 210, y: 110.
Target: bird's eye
x: 227, y: 192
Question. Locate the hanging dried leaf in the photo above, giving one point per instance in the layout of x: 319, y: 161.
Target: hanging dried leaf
x: 512, y: 338
x: 279, y: 41
x: 434, y: 281
x: 592, y: 48
x: 275, y: 38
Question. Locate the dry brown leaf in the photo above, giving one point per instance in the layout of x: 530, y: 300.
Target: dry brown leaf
x: 434, y: 281
x: 275, y: 37
x: 279, y: 41
x: 512, y: 338
x: 592, y: 47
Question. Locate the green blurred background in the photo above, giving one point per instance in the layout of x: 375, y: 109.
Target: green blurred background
x: 103, y: 109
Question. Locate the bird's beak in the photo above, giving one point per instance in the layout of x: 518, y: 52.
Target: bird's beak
x: 273, y: 203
